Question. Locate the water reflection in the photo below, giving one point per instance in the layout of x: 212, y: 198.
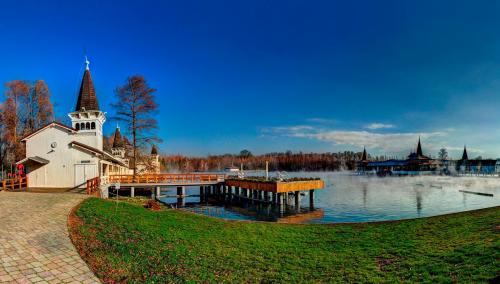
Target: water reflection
x: 419, y: 202
x: 349, y: 198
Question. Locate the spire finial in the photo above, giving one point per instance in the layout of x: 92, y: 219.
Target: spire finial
x: 87, y: 63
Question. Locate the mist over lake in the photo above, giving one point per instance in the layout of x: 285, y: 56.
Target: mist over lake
x: 352, y: 198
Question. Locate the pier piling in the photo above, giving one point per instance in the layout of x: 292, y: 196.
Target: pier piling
x: 311, y: 199
x: 297, y: 200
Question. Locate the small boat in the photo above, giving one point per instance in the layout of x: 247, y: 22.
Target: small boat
x: 232, y: 169
x: 436, y: 186
x: 419, y: 184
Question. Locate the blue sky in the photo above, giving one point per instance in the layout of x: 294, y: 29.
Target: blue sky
x: 277, y: 75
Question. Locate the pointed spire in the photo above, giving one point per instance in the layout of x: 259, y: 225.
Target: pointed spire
x: 419, y: 148
x: 87, y: 63
x: 364, y: 158
x: 464, y: 155
x: 154, y: 151
x: 87, y: 99
x: 118, y: 140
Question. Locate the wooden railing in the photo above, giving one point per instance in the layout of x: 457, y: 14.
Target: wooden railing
x: 13, y: 183
x: 93, y: 186
x: 167, y: 178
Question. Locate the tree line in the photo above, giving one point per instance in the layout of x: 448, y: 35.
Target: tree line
x: 26, y: 107
x: 277, y: 161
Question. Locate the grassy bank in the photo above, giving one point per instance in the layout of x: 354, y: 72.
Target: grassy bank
x: 125, y: 242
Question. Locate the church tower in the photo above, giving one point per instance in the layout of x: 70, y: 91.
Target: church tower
x: 87, y: 117
x: 465, y: 157
x: 419, y: 148
x: 118, y: 149
x: 155, y: 160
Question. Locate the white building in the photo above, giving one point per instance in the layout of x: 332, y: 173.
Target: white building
x: 61, y: 156
x: 149, y: 164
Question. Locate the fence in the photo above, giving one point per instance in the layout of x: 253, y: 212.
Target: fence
x: 15, y: 183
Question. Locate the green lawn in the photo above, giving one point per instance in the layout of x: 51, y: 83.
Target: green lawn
x: 127, y: 243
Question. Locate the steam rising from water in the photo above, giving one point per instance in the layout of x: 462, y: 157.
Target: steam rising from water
x: 349, y: 198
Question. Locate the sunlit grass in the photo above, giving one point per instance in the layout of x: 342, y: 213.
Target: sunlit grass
x: 125, y: 242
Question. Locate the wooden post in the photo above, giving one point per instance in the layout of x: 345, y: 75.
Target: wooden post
x: 297, y: 200
x: 280, y: 199
x: 311, y: 199
x: 157, y: 191
x: 132, y: 191
x: 230, y: 193
x: 181, y: 191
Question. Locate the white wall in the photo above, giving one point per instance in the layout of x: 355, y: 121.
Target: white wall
x: 60, y: 171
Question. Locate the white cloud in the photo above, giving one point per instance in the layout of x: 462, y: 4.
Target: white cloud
x: 376, y: 125
x: 321, y: 120
x: 385, y: 142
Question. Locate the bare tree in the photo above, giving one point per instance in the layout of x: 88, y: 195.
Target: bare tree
x: 136, y: 107
x: 443, y: 154
x: 38, y: 107
x: 14, y: 117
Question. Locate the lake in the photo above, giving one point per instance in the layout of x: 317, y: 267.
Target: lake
x: 350, y: 198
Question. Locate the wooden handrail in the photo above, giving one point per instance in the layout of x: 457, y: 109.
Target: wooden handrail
x: 13, y: 183
x: 93, y: 186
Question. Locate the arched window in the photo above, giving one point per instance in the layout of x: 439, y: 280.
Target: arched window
x: 92, y: 125
x: 87, y: 125
x: 82, y: 126
x: 77, y: 126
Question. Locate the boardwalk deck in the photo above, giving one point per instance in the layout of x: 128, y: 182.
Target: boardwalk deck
x: 161, y: 180
x: 216, y: 185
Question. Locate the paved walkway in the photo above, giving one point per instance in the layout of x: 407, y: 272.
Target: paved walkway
x: 34, y: 241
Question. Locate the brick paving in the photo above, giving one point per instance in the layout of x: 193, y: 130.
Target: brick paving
x: 34, y: 239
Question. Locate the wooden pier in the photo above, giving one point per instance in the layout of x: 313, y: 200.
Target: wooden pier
x: 218, y: 187
x: 280, y: 193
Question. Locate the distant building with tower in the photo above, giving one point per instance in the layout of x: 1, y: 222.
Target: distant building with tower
x: 477, y: 166
x: 416, y: 164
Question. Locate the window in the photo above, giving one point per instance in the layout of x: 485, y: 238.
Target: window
x: 87, y: 125
x: 92, y: 125
x: 82, y: 126
x: 77, y: 126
